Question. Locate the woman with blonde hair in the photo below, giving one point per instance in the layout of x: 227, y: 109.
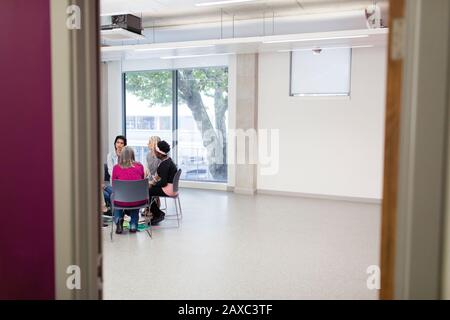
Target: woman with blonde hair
x: 127, y: 169
x: 152, y: 160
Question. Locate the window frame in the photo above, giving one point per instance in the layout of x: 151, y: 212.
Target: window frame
x: 175, y: 102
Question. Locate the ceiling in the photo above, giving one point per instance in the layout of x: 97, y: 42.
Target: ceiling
x: 336, y: 39
x: 191, y: 35
x: 179, y: 12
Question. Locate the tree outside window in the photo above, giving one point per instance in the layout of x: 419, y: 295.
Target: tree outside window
x: 202, y: 115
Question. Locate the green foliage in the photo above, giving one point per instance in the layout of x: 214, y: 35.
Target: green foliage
x: 206, y: 80
x: 156, y: 86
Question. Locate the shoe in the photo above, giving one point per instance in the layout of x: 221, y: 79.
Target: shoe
x: 133, y: 230
x: 146, y: 213
x: 158, y: 219
x: 119, y: 227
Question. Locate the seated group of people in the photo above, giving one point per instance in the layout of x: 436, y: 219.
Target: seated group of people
x: 160, y: 171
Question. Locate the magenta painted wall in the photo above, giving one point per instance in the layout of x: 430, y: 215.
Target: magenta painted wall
x: 26, y: 176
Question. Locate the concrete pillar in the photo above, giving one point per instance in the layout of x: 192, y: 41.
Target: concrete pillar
x: 247, y: 121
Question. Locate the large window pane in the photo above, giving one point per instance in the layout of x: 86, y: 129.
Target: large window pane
x: 202, y: 123
x: 202, y: 117
x: 148, y: 100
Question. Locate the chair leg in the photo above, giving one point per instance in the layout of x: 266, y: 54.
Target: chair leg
x: 165, y: 204
x: 176, y: 209
x: 179, y: 204
x: 112, y: 229
x: 149, y: 231
x: 112, y: 216
x: 149, y: 223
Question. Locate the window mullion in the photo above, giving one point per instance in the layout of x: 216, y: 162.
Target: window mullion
x: 175, y: 115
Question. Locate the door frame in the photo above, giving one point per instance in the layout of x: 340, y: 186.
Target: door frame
x: 416, y: 127
x: 76, y: 149
x: 414, y: 185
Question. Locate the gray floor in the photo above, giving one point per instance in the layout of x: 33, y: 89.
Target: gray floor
x: 239, y: 247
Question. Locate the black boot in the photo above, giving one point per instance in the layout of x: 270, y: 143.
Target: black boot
x: 119, y: 227
x: 158, y: 218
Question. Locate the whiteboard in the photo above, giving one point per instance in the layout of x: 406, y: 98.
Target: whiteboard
x: 324, y: 74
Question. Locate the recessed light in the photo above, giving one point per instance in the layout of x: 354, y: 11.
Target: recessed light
x: 326, y: 48
x: 196, y: 56
x: 174, y: 48
x: 224, y: 2
x: 315, y: 39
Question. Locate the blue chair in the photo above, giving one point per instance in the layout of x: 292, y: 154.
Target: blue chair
x: 131, y: 191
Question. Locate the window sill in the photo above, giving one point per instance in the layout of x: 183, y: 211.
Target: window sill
x: 204, y: 185
x: 323, y: 97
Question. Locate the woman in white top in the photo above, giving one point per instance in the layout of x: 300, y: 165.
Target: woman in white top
x: 112, y: 159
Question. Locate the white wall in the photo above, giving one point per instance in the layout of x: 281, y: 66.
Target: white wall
x: 332, y: 147
x: 170, y: 64
x: 115, y: 103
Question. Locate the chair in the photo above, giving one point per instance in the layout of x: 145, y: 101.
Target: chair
x: 106, y: 179
x: 106, y: 175
x: 176, y: 183
x: 130, y: 191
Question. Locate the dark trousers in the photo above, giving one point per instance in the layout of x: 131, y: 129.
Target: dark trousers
x: 155, y: 192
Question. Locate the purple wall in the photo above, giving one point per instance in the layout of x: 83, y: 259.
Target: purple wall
x: 26, y: 186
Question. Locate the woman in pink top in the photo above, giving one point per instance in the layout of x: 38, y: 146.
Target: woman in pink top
x: 127, y: 169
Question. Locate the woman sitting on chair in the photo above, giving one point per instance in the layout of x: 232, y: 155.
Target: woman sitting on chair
x: 112, y: 160
x: 127, y: 169
x: 153, y: 163
x: 162, y: 184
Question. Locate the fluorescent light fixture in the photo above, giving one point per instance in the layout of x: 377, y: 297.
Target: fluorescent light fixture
x: 219, y: 3
x: 118, y: 13
x: 325, y: 48
x: 174, y: 48
x: 196, y: 56
x: 316, y: 39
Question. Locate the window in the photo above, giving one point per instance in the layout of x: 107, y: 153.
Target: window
x: 165, y: 123
x: 131, y: 122
x: 145, y: 123
x: 148, y: 95
x: 140, y: 154
x: 202, y: 114
x: 321, y: 72
x: 198, y: 104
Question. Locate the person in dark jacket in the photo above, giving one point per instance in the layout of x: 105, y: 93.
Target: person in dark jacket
x: 162, y: 183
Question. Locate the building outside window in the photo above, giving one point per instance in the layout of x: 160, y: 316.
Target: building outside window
x: 201, y: 116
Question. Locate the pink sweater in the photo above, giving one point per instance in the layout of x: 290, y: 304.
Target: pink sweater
x: 136, y: 172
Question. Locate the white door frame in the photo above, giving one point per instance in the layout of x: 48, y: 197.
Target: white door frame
x: 76, y: 148
x: 423, y: 144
